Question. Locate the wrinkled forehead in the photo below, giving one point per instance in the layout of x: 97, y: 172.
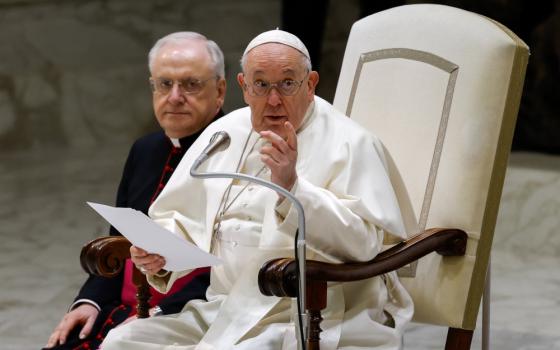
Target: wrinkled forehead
x: 274, y: 58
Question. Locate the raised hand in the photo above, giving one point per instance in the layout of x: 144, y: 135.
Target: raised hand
x: 281, y: 156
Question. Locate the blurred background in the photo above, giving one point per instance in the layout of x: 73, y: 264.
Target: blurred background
x: 74, y: 95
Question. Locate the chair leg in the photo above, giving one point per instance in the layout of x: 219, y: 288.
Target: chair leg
x: 458, y: 339
x: 316, y: 301
x: 142, y: 293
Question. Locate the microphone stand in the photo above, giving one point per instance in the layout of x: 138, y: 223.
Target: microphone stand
x: 303, y: 317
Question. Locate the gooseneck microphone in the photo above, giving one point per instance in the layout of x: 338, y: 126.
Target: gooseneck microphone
x: 220, y: 141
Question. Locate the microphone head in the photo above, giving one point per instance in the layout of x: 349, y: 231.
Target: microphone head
x: 221, y: 141
x: 218, y: 142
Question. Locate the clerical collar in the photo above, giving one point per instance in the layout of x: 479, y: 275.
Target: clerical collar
x: 186, y: 142
x: 183, y: 142
x: 175, y: 142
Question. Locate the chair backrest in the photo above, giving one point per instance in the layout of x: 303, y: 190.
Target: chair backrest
x: 440, y: 87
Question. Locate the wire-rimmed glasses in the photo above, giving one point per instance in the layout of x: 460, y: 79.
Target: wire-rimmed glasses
x: 187, y: 86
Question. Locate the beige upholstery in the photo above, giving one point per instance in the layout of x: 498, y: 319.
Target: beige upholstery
x: 440, y: 87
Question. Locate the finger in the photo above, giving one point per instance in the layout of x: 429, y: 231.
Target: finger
x: 275, y: 140
x: 86, y: 329
x: 151, y: 264
x: 161, y: 265
x: 63, y: 333
x: 291, y: 135
x: 53, y: 340
x: 144, y: 260
x: 270, y: 163
x: 150, y: 259
x: 155, y: 265
x: 137, y: 252
x: 273, y: 153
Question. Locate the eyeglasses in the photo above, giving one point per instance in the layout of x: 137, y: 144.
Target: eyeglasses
x: 187, y: 86
x: 286, y: 87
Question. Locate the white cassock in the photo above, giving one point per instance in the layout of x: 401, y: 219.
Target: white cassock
x: 349, y: 207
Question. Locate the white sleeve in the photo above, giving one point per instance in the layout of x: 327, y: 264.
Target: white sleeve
x: 346, y: 218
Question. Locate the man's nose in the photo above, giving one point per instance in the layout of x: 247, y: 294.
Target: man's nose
x: 274, y: 99
x: 175, y: 95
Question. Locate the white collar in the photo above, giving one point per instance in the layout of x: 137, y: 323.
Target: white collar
x: 175, y: 142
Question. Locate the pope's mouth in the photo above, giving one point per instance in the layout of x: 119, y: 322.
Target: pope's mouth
x: 276, y: 118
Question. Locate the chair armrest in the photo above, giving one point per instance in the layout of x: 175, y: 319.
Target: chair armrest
x: 105, y: 256
x: 279, y: 276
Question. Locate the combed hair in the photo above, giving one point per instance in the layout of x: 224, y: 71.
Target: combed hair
x: 214, y: 50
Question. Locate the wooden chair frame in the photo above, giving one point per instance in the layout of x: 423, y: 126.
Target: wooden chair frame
x: 278, y: 277
x: 105, y: 256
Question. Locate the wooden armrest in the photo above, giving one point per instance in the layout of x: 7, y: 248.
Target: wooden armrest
x: 105, y: 256
x: 279, y: 276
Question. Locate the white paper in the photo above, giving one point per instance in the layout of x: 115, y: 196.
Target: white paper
x: 142, y: 232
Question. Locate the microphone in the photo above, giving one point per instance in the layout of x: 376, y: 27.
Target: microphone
x: 220, y: 141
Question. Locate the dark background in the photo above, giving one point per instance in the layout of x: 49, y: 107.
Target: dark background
x: 535, y: 22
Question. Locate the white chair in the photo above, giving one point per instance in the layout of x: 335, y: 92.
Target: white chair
x: 440, y: 87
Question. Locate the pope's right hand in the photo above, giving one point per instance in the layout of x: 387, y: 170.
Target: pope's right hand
x: 83, y: 315
x: 147, y: 263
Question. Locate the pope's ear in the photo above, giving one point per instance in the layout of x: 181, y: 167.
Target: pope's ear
x: 312, y: 82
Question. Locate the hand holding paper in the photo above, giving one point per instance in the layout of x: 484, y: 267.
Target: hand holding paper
x: 142, y: 232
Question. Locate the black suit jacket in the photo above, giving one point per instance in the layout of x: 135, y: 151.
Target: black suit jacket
x: 141, y: 177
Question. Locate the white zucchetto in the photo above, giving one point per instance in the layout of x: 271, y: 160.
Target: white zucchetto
x: 278, y: 36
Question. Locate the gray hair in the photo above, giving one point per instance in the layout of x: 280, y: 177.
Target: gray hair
x: 305, y: 61
x: 214, y: 50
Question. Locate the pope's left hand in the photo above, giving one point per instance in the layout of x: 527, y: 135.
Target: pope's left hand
x: 281, y: 156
